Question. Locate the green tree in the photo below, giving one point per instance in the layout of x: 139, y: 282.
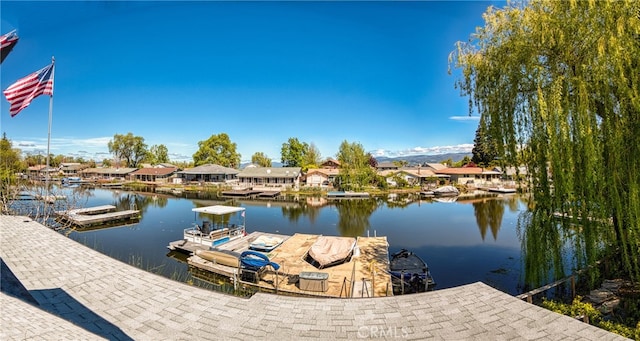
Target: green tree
x: 355, y: 172
x: 10, y: 164
x: 311, y: 158
x: 106, y: 163
x: 293, y: 152
x: 219, y: 150
x: 558, y: 83
x: 128, y: 148
x: 261, y: 159
x: 484, y: 148
x: 158, y: 154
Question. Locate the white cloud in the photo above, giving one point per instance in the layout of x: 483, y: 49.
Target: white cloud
x: 437, y: 150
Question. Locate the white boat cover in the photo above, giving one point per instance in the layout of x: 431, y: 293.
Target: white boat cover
x: 328, y: 250
x: 218, y: 209
x: 264, y: 242
x: 446, y: 190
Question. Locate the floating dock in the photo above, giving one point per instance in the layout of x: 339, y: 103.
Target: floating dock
x: 363, y: 275
x: 96, y: 215
x: 250, y: 192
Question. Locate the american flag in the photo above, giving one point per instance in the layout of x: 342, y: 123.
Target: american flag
x: 7, y: 42
x: 21, y: 93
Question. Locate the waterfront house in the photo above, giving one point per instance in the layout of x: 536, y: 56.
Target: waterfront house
x: 462, y: 175
x: 107, y: 173
x: 278, y: 177
x: 154, y: 174
x: 209, y: 173
x: 413, y: 176
x: 383, y: 166
x: 72, y: 169
x: 330, y: 164
x: 321, y: 177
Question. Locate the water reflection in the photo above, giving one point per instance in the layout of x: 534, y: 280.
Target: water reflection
x: 523, y: 249
x: 489, y: 213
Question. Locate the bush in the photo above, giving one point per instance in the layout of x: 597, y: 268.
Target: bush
x: 579, y: 309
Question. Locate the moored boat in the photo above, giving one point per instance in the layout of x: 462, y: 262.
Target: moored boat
x: 446, y: 191
x: 228, y: 224
x: 409, y: 273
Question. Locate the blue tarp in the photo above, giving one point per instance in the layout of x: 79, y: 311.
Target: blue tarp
x: 256, y: 260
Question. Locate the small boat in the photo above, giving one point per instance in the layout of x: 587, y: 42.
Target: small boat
x: 229, y: 224
x: 329, y: 250
x: 265, y: 243
x: 226, y: 258
x: 409, y: 273
x: 446, y: 191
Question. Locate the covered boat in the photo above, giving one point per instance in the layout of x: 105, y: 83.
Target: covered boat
x: 329, y: 250
x: 265, y: 243
x: 409, y: 273
x: 228, y: 224
x: 446, y: 191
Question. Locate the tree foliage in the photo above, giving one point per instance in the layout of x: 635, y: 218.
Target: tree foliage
x: 261, y: 159
x: 158, y: 154
x: 10, y: 164
x: 128, y: 148
x: 557, y: 84
x: 484, y: 150
x: 311, y: 158
x: 219, y: 150
x: 293, y: 152
x: 355, y: 172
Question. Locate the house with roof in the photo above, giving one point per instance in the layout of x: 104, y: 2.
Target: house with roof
x: 107, y: 173
x: 321, y: 177
x: 278, y: 177
x: 209, y: 173
x: 462, y: 175
x: 154, y: 174
x: 72, y: 169
x: 383, y: 166
x: 413, y: 176
x: 434, y: 166
x: 330, y: 164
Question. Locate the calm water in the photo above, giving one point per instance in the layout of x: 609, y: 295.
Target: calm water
x: 462, y: 242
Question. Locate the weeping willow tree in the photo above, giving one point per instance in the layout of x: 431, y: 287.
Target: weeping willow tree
x: 557, y: 83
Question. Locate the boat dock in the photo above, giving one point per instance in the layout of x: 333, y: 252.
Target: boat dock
x: 96, y: 215
x: 87, y: 295
x: 364, y: 275
x: 250, y: 192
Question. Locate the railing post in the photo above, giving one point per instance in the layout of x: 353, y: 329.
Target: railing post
x: 573, y: 286
x: 529, y: 299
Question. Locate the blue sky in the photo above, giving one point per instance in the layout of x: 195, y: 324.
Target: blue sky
x: 177, y: 73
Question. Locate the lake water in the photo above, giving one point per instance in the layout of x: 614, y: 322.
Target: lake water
x: 462, y: 242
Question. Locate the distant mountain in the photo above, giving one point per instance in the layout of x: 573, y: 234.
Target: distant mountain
x: 421, y: 159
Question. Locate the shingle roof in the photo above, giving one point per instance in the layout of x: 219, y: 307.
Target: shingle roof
x: 210, y: 169
x: 270, y: 172
x: 155, y: 171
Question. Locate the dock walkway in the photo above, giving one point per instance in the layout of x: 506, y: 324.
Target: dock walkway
x: 84, y: 295
x: 96, y: 215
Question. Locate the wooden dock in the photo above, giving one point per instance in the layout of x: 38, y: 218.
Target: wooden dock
x: 364, y: 275
x: 250, y: 192
x: 96, y: 215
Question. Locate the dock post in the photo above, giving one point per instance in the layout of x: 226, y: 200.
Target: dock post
x: 426, y: 280
x: 402, y: 282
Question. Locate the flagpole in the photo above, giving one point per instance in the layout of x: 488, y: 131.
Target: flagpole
x: 53, y: 69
